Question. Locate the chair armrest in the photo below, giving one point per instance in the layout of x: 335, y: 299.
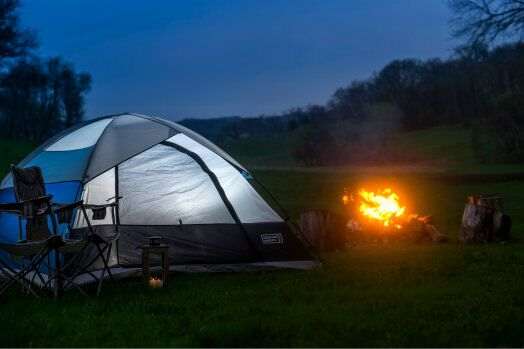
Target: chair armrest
x: 116, y: 198
x: 92, y: 206
x: 98, y: 206
x: 38, y: 200
x: 12, y: 207
x: 57, y: 207
x: 36, y: 207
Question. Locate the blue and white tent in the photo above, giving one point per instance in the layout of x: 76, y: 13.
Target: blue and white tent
x: 173, y: 182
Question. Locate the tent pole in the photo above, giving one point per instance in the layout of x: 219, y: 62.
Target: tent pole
x: 220, y: 190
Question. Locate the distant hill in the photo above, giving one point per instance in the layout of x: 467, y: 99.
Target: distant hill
x: 270, y: 141
x: 235, y: 127
x: 213, y: 129
x: 446, y: 148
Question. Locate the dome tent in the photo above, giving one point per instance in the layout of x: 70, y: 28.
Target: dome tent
x: 172, y: 182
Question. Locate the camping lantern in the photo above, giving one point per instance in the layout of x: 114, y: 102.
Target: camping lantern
x: 154, y: 246
x: 155, y: 282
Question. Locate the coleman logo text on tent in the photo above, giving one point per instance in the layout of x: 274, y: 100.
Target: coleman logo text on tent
x: 270, y: 239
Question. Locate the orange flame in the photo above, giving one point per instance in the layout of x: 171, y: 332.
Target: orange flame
x: 383, y: 206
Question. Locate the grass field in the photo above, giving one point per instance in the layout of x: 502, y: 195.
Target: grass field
x: 395, y: 294
x: 444, y: 149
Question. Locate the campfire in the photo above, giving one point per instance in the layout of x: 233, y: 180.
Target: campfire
x: 382, y: 213
x: 369, y: 216
x: 382, y: 207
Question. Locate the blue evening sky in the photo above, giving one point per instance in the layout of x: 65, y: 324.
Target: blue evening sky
x: 239, y: 57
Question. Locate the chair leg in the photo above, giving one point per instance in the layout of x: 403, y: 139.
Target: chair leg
x: 9, y: 273
x: 8, y: 284
x: 84, y: 271
x: 58, y: 278
x: 68, y: 280
x: 105, y: 259
x: 100, y: 281
x: 20, y: 277
x: 6, y: 270
x: 40, y: 277
x: 10, y: 279
x: 34, y: 266
x: 102, y: 253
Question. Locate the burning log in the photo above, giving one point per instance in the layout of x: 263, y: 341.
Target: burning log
x: 435, y: 234
x: 381, y: 216
x: 484, y: 220
x: 416, y: 228
x: 424, y: 229
x: 323, y: 229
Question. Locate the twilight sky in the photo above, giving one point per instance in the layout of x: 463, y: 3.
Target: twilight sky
x: 196, y: 58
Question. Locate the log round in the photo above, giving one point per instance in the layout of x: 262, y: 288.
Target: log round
x: 324, y: 230
x: 484, y: 221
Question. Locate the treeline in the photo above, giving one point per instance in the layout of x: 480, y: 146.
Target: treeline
x: 222, y: 129
x: 38, y: 96
x: 481, y: 86
x: 462, y: 89
x: 477, y: 87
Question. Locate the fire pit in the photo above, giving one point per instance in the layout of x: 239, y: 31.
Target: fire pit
x: 369, y: 216
x: 381, y: 215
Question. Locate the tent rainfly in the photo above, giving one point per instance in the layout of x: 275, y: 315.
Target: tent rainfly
x: 173, y: 183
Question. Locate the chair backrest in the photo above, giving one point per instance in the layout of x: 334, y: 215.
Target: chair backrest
x: 29, y: 185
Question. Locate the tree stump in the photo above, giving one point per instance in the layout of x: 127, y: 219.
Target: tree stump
x: 323, y: 229
x: 484, y: 220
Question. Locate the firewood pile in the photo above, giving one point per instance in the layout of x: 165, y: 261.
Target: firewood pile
x: 327, y: 231
x: 416, y: 228
x: 484, y: 220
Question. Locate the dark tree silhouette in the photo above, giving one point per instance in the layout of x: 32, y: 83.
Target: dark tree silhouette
x: 40, y: 98
x: 15, y: 41
x: 482, y: 21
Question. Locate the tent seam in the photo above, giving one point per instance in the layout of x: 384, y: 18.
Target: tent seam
x: 88, y: 163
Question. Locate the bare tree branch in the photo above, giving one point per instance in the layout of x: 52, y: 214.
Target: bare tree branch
x: 483, y: 21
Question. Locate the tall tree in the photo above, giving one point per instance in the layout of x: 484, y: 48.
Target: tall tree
x: 39, y: 98
x: 15, y: 41
x: 483, y: 21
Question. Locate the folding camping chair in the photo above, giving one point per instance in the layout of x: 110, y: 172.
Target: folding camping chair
x: 97, y: 247
x: 35, y: 208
